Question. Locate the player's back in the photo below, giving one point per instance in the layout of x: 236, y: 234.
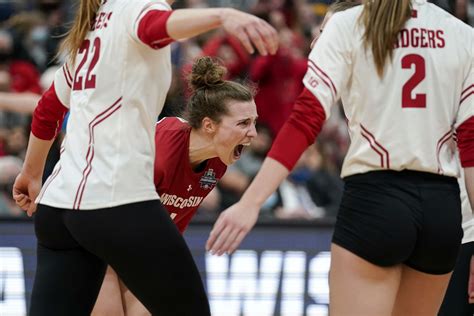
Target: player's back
x: 117, y: 88
x: 405, y: 119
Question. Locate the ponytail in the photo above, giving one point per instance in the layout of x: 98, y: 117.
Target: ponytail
x: 383, y: 19
x: 83, y: 21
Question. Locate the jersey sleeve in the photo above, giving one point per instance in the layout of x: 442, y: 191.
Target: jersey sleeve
x: 63, y: 81
x: 145, y: 22
x: 49, y: 114
x: 466, y: 101
x: 329, y: 64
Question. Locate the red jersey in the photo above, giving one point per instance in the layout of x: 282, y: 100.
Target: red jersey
x: 181, y: 189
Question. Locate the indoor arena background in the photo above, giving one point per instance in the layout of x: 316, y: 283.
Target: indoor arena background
x: 281, y: 268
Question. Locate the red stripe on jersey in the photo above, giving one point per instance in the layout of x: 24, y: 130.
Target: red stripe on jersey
x: 466, y: 142
x: 152, y: 29
x: 386, y: 155
x: 439, y: 145
x: 466, y: 96
x: 90, y: 150
x: 466, y: 90
x: 48, y: 115
x: 323, y: 80
x: 66, y: 78
x: 48, y: 182
x: 299, y: 131
x: 68, y: 72
x: 333, y: 87
x: 372, y: 145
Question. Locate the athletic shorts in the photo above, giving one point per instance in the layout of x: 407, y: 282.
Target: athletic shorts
x: 409, y: 217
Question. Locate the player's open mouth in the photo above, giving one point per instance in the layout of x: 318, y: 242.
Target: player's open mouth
x: 239, y: 149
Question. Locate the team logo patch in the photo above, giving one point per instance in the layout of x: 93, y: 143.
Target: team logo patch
x: 208, y: 180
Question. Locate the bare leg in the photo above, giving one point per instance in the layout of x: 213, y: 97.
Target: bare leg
x: 109, y: 301
x: 420, y: 294
x: 132, y: 306
x: 360, y: 288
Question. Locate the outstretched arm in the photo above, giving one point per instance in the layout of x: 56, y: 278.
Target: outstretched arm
x: 158, y: 28
x: 234, y: 224
x: 296, y: 135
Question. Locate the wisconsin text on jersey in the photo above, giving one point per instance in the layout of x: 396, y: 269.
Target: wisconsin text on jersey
x: 180, y: 202
x: 208, y: 180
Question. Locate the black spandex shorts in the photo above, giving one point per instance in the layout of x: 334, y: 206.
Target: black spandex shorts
x: 409, y: 217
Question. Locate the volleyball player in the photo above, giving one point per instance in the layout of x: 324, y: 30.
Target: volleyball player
x: 100, y: 206
x: 191, y: 156
x: 404, y: 71
x: 458, y: 300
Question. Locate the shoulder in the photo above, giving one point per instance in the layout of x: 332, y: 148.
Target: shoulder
x: 171, y: 132
x: 176, y: 124
x: 347, y: 18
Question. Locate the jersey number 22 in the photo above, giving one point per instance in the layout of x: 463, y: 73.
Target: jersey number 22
x: 87, y: 82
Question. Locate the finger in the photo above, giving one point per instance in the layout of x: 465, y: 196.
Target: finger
x: 236, y: 243
x: 31, y: 209
x: 221, y: 239
x: 228, y: 242
x: 24, y: 203
x: 270, y: 36
x: 19, y: 197
x: 244, y: 39
x: 216, y: 230
x: 257, y: 40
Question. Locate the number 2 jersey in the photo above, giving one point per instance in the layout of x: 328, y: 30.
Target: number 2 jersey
x: 181, y: 189
x: 402, y: 120
x: 114, y: 93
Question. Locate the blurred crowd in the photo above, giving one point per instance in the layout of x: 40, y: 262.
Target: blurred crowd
x: 30, y: 32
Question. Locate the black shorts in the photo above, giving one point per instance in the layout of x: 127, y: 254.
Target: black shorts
x: 409, y: 217
x: 456, y: 298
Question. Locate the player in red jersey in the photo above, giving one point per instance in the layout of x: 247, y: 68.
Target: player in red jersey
x: 114, y: 85
x: 191, y: 156
x: 404, y: 71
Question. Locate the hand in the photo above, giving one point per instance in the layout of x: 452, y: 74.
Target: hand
x: 250, y: 30
x: 231, y: 228
x: 25, y: 191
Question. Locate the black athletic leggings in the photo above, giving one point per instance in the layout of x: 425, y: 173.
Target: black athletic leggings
x: 456, y: 299
x: 138, y: 240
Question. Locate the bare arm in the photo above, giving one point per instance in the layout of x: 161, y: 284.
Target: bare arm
x: 249, y: 29
x: 28, y: 183
x: 264, y: 184
x: 19, y: 102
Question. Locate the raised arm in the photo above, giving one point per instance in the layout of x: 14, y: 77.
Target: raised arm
x: 157, y: 26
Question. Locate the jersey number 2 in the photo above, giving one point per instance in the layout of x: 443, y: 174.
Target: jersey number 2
x: 89, y: 82
x: 419, y: 100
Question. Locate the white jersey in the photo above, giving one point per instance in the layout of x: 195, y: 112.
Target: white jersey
x: 405, y: 119
x: 115, y: 93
